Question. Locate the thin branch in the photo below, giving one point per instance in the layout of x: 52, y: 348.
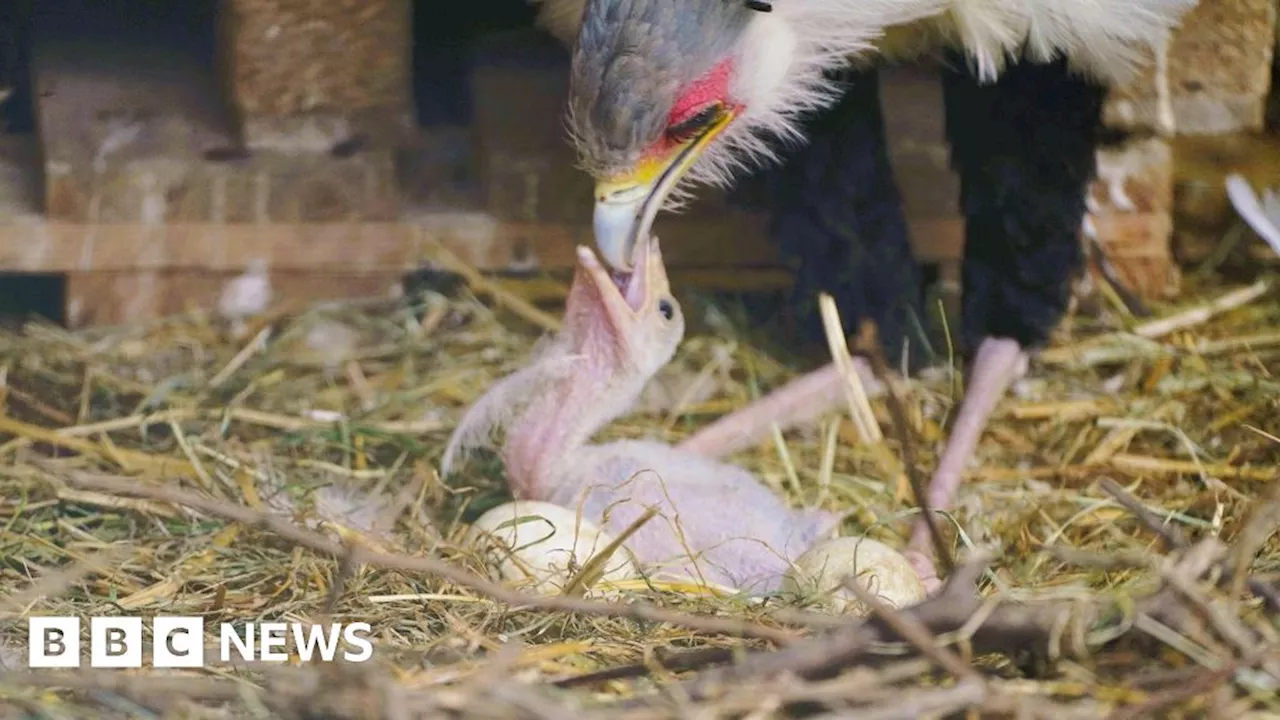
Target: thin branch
x: 1172, y: 536
x: 1200, y: 684
x: 303, y: 537
x: 914, y: 632
x: 869, y: 344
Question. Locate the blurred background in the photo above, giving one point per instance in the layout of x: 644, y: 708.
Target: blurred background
x: 153, y: 151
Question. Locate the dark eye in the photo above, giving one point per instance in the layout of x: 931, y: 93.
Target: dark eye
x: 689, y: 127
x: 664, y: 307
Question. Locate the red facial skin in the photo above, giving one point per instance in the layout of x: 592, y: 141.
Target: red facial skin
x: 710, y: 89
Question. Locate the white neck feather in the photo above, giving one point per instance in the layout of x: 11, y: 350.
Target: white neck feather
x: 1104, y: 40
x: 781, y: 65
x: 784, y: 54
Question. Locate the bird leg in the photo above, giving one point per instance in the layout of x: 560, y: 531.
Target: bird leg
x: 1025, y: 148
x: 996, y: 365
x: 799, y: 402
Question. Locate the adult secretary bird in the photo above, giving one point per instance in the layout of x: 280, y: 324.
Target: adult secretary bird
x: 666, y: 93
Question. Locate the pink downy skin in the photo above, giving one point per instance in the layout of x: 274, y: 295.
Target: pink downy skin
x: 995, y: 366
x: 717, y: 523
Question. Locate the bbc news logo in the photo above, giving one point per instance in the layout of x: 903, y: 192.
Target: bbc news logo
x: 178, y: 642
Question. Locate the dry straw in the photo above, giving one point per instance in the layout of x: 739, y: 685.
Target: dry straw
x: 1126, y: 492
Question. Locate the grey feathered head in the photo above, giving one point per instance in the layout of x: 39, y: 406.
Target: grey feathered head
x: 668, y: 91
x: 632, y: 62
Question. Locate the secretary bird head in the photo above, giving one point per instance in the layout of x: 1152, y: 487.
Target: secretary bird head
x: 665, y: 93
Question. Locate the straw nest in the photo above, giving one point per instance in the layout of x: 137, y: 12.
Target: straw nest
x: 1118, y: 528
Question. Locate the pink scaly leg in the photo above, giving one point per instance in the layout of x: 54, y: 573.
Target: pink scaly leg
x: 800, y: 401
x: 996, y: 365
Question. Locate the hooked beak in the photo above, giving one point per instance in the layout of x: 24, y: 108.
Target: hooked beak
x: 626, y: 205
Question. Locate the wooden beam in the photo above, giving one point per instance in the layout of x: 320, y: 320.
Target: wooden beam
x: 114, y: 298
x: 371, y: 247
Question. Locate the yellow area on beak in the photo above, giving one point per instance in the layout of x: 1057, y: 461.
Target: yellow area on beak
x: 645, y: 174
x: 626, y: 204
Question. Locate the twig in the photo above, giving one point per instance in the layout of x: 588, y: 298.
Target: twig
x: 593, y: 569
x: 1172, y: 536
x: 1270, y: 592
x: 1227, y: 627
x: 1002, y: 627
x: 1198, y: 685
x: 869, y: 344
x: 300, y: 536
x: 130, y: 685
x: 664, y: 659
x: 1196, y: 316
x: 921, y: 703
x: 34, y: 403
x: 856, y: 395
x: 256, y: 344
x: 913, y: 631
x: 348, y: 564
x: 945, y: 612
x: 481, y: 285
x: 791, y: 696
x: 1262, y: 522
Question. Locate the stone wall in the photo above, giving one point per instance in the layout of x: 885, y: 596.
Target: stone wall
x: 1214, y: 78
x: 309, y: 74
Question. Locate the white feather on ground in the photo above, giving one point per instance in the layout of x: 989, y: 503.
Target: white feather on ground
x: 366, y: 509
x: 1263, y: 217
x: 333, y: 342
x: 355, y: 508
x: 246, y: 295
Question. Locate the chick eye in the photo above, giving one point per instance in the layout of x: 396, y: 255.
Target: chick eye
x: 686, y: 129
x: 665, y: 308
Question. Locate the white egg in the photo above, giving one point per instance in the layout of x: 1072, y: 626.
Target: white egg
x: 881, y: 570
x: 541, y: 547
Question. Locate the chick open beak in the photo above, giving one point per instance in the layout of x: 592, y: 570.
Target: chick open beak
x: 625, y: 295
x: 627, y: 204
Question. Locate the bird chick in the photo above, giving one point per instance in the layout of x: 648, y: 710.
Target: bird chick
x: 717, y: 523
